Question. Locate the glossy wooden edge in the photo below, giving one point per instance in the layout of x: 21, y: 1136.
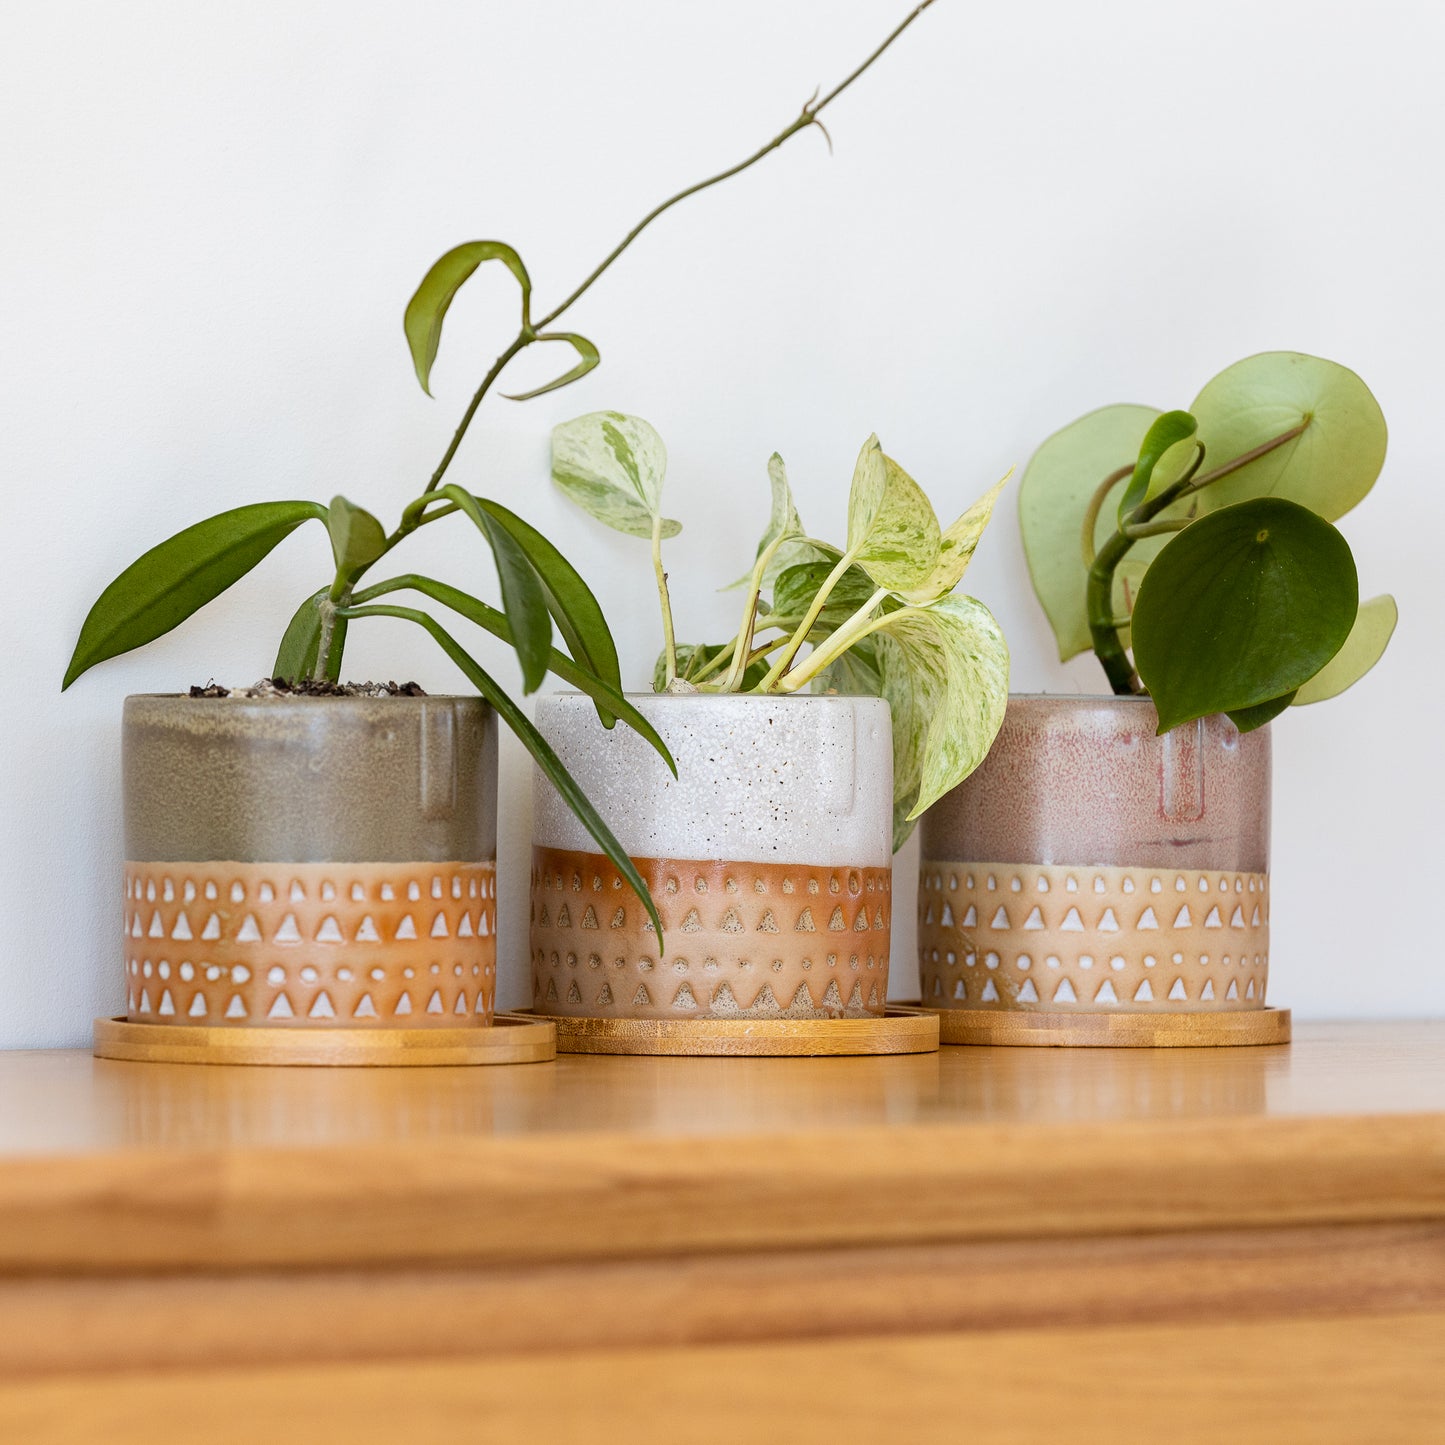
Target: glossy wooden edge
x: 188, y: 1320
x: 509, y: 1198
x: 899, y: 1031
x: 510, y: 1040
x: 1254, y: 1382
x: 1019, y: 1028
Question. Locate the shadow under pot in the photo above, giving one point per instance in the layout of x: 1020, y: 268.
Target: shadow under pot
x: 769, y: 858
x: 1091, y: 866
x: 317, y: 862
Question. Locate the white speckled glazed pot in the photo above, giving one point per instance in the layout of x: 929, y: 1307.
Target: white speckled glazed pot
x: 310, y: 862
x: 1090, y: 865
x: 769, y: 858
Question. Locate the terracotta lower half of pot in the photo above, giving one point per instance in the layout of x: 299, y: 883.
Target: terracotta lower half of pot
x: 1059, y: 938
x: 742, y: 940
x: 1091, y: 865
x: 314, y: 945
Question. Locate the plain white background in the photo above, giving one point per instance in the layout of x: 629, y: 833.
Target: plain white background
x: 213, y: 216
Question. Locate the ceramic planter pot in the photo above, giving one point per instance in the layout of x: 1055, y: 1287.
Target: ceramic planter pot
x: 310, y: 861
x: 1091, y: 865
x: 769, y: 858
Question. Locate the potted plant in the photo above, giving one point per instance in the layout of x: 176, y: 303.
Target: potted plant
x: 858, y: 688
x: 1112, y: 854
x: 312, y: 853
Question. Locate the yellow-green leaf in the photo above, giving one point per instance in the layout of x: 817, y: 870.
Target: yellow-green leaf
x: 957, y: 546
x: 1364, y: 647
x: 893, y: 533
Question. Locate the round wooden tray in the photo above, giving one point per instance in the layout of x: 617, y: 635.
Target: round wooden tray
x: 1019, y: 1028
x: 899, y: 1031
x: 511, y: 1040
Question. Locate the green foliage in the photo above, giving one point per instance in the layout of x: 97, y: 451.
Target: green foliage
x: 613, y: 466
x: 880, y: 615
x: 539, y: 586
x: 1243, y: 607
x: 162, y: 588
x: 1202, y: 539
x: 428, y: 308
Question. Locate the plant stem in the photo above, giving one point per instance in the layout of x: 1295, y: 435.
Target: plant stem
x: 742, y: 643
x: 669, y: 642
x: 800, y: 635
x: 1096, y: 504
x: 528, y: 334
x: 1104, y: 627
x: 857, y: 627
x: 808, y: 116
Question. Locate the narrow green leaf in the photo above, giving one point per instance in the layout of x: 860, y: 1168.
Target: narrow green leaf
x: 535, y: 743
x: 613, y: 466
x: 357, y: 538
x: 574, y: 608
x: 1170, y: 430
x: 296, y: 657
x: 609, y: 699
x: 161, y: 589
x: 893, y: 533
x: 523, y: 598
x: 957, y: 546
x: 1328, y: 468
x: 580, y: 344
x: 427, y: 309
x: 1246, y: 719
x: 1243, y: 606
x: 1364, y: 647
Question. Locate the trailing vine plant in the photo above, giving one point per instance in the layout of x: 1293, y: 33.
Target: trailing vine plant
x: 1194, y: 551
x: 539, y: 587
x: 878, y: 616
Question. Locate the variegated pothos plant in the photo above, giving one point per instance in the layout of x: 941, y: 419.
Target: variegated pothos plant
x: 879, y: 616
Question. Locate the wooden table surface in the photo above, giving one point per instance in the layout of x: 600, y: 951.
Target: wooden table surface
x: 1009, y: 1243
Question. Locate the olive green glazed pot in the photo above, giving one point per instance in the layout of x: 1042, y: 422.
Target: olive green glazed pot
x: 317, y: 862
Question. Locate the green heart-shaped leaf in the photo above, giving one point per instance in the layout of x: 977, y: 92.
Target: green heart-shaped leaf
x: 613, y: 466
x: 357, y: 538
x: 1058, y: 484
x: 1366, y: 644
x: 427, y: 309
x: 1327, y: 468
x: 1243, y: 606
x: 162, y: 588
x: 892, y: 530
x: 1246, y: 719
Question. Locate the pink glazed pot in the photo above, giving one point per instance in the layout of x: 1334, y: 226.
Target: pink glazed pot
x: 1092, y: 866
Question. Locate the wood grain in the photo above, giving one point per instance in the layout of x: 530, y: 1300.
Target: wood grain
x: 509, y: 1040
x: 166, y: 1322
x: 899, y: 1031
x: 1252, y: 1383
x: 1016, y: 1028
x: 520, y: 1199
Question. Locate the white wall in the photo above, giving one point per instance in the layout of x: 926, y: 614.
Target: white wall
x: 213, y: 216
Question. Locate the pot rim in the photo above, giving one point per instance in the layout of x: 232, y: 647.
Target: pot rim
x: 287, y: 698
x: 748, y: 697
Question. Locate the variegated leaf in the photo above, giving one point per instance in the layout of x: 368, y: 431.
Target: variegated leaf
x: 956, y: 549
x: 613, y: 466
x: 892, y: 530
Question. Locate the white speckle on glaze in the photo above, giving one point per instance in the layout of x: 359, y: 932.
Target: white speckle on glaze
x: 805, y: 780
